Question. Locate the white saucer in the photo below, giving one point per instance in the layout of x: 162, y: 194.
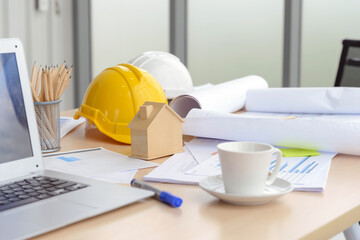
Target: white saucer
x: 215, y: 186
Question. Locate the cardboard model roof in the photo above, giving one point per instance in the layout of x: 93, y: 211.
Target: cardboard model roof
x: 138, y: 123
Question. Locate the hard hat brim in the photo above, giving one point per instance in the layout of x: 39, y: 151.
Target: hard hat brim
x: 115, y: 130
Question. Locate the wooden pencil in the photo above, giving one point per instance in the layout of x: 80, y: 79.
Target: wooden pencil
x: 61, y: 85
x: 33, y: 74
x: 61, y: 68
x: 50, y: 81
x: 42, y: 91
x: 64, y: 87
x: 65, y: 83
x: 38, y: 80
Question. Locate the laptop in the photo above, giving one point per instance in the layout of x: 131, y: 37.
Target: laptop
x: 33, y: 200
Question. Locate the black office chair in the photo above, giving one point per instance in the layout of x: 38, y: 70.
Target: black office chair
x: 348, y: 74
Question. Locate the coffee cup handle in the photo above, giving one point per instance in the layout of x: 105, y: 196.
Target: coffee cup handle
x: 271, y: 178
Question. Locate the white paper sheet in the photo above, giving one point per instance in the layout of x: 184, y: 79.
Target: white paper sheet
x: 67, y: 124
x: 182, y: 168
x: 225, y: 97
x: 306, y: 174
x: 200, y: 148
x: 317, y: 184
x: 327, y: 133
x: 301, y: 171
x: 210, y: 167
x: 174, y: 170
x: 116, y: 177
x: 339, y: 100
x: 95, y: 162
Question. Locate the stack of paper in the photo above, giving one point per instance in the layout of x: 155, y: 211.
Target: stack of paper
x: 201, y: 160
x: 96, y: 163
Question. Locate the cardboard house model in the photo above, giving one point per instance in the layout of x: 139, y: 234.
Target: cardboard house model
x: 156, y: 131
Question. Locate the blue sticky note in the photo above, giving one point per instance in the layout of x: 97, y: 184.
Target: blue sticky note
x: 69, y: 159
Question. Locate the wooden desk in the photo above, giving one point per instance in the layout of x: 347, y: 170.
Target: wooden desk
x: 297, y: 215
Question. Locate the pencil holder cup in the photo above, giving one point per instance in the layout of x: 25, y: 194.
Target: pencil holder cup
x: 48, y: 121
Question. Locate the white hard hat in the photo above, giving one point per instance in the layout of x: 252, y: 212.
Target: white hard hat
x: 170, y: 72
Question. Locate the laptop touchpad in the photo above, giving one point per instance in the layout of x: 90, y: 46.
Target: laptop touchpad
x: 41, y: 216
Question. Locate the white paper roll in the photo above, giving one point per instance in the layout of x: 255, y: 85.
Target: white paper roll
x: 338, y: 100
x: 329, y: 133
x: 225, y: 97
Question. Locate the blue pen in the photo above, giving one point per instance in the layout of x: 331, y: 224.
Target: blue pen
x: 162, y: 196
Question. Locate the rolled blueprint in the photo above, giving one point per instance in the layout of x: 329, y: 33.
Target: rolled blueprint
x: 329, y: 133
x: 225, y: 97
x: 336, y: 100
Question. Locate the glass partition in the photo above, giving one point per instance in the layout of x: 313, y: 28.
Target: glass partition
x: 123, y: 29
x: 229, y: 39
x: 325, y: 24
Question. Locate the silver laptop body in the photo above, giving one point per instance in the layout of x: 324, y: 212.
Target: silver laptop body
x: 20, y: 158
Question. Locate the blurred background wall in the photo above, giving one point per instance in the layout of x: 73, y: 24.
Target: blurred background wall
x: 223, y: 40
x: 46, y: 32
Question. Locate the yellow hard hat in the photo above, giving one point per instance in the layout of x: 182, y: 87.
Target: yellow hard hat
x: 115, y: 96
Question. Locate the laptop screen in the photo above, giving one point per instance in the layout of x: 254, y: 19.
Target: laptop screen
x: 15, y: 142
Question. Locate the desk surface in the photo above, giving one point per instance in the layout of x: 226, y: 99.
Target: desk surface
x: 297, y: 215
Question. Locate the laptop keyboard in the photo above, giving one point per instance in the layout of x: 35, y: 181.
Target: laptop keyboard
x: 34, y: 189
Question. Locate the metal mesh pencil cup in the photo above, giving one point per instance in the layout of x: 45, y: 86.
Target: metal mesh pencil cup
x: 48, y: 121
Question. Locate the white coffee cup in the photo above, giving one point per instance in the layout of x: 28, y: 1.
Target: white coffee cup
x: 245, y: 167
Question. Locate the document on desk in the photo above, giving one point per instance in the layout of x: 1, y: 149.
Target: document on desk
x: 323, y: 132
x: 174, y: 170
x: 200, y: 160
x: 97, y: 163
x: 67, y: 124
x: 305, y: 173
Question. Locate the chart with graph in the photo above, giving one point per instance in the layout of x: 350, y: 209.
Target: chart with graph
x: 302, y: 170
x: 305, y: 173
